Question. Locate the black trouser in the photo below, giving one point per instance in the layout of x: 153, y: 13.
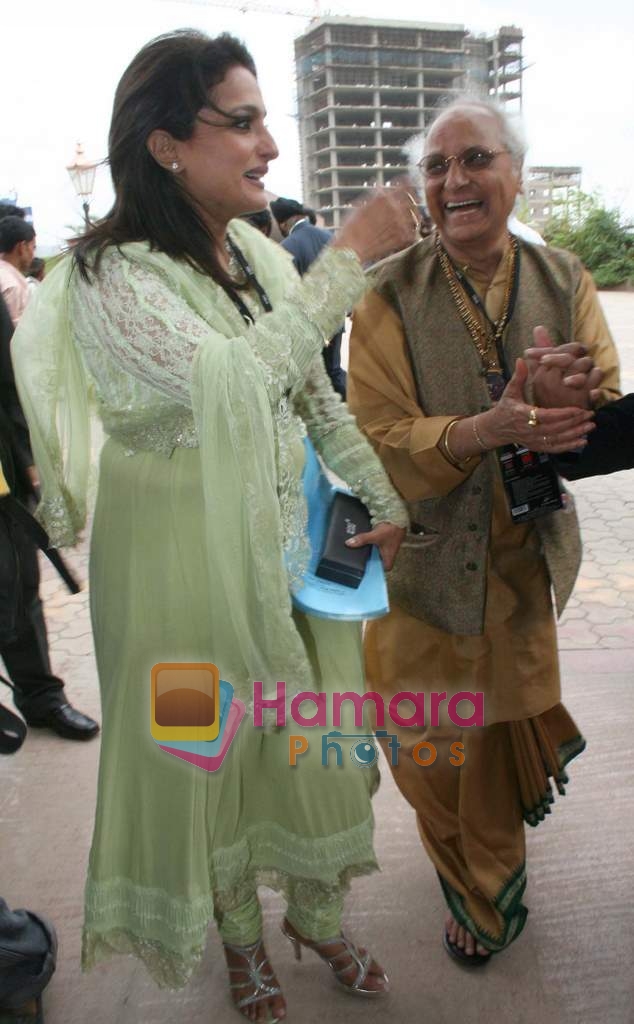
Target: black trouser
x: 332, y: 362
x: 25, y: 654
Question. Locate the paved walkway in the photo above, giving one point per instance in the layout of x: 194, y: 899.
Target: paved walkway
x: 574, y: 961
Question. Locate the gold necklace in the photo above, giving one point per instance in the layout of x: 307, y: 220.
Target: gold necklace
x: 483, y: 338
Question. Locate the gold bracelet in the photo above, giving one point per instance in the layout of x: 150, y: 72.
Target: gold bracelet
x: 450, y: 455
x: 477, y: 436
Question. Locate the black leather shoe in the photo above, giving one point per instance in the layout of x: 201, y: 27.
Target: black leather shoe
x: 66, y: 721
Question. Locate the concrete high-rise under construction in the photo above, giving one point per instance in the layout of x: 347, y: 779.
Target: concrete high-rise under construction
x: 365, y: 88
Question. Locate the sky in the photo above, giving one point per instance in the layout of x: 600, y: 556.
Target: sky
x: 62, y: 60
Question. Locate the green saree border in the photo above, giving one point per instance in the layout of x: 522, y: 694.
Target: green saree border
x: 507, y: 902
x: 565, y: 754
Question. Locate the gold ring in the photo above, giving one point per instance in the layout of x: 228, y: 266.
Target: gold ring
x: 532, y: 417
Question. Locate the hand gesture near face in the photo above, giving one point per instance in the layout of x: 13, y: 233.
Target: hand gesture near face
x: 386, y: 223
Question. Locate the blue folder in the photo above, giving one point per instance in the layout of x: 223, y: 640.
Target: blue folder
x: 322, y: 598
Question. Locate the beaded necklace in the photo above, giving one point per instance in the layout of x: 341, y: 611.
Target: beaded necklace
x: 487, y: 335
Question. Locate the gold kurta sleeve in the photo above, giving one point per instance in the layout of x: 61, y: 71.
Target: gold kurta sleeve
x: 382, y: 395
x: 591, y: 330
x: 515, y: 662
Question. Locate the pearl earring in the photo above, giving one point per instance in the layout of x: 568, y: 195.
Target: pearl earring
x: 175, y: 166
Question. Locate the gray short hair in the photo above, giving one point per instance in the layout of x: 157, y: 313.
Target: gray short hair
x: 511, y: 129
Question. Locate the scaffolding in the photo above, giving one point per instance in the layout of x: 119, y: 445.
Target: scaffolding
x: 366, y: 88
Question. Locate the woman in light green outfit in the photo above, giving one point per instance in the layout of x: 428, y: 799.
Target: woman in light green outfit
x: 203, y: 350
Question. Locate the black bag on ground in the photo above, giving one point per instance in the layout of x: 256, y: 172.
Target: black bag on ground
x: 28, y: 956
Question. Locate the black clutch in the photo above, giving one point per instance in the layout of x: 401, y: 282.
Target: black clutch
x: 348, y: 517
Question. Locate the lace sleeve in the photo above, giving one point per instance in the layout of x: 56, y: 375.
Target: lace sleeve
x: 153, y: 332
x: 344, y: 449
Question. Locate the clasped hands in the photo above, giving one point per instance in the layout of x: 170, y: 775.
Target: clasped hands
x: 565, y: 384
x: 562, y: 376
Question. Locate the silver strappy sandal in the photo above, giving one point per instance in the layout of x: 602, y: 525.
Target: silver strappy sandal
x: 353, y: 959
x: 257, y: 975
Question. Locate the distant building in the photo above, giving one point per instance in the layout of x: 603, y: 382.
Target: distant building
x: 366, y: 88
x: 493, y: 66
x: 551, y: 192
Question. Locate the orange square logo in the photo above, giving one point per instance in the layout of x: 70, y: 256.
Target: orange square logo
x: 185, y: 702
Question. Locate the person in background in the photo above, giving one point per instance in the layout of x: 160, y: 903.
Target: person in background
x: 17, y: 248
x: 35, y: 274
x: 37, y: 693
x: 262, y: 220
x: 12, y: 210
x: 437, y: 384
x: 304, y: 240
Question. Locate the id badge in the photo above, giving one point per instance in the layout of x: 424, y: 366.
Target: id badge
x: 530, y: 481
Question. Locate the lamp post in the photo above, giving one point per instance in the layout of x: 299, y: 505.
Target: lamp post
x: 82, y: 175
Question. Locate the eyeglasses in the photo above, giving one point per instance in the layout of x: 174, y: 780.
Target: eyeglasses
x: 475, y: 158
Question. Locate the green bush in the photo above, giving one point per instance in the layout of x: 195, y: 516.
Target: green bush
x: 600, y: 240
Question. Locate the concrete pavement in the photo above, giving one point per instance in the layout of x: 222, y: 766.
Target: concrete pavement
x: 573, y: 964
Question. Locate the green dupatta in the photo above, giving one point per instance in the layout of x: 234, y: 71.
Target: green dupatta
x: 251, y: 630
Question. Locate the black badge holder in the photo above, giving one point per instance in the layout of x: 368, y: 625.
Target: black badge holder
x: 338, y: 563
x: 530, y: 481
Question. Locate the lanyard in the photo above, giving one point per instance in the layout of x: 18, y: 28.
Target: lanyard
x: 234, y: 295
x: 497, y: 326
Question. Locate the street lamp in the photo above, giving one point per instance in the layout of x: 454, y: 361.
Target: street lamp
x: 82, y: 175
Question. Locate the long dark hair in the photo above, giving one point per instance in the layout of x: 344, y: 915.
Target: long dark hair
x: 164, y: 87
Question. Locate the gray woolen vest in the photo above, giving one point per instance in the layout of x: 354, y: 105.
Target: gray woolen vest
x: 440, y: 572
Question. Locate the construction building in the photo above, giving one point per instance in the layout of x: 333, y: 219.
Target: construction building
x: 366, y: 88
x: 551, y: 192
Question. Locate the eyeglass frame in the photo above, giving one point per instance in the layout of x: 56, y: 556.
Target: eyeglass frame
x: 446, y: 161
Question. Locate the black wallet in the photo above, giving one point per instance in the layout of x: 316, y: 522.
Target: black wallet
x: 348, y: 516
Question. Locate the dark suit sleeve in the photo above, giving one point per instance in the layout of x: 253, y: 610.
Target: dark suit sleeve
x: 301, y: 259
x: 610, y: 447
x: 9, y: 400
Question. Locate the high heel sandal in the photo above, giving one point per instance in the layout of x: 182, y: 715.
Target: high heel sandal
x: 353, y: 959
x: 259, y: 976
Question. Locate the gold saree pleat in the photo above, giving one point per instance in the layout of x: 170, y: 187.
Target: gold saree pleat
x: 471, y: 817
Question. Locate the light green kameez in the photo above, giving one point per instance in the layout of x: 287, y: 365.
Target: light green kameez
x: 199, y: 528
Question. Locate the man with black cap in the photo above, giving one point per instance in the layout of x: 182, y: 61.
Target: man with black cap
x: 305, y: 241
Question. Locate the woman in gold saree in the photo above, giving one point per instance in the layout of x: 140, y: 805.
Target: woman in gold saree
x: 433, y: 349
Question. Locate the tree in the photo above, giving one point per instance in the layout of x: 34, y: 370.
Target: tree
x: 598, y: 237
